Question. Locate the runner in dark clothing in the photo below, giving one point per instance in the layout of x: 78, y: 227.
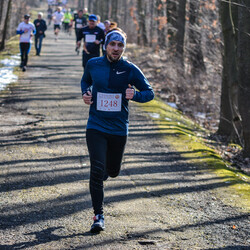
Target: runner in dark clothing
x: 49, y: 15
x: 80, y: 22
x: 41, y: 27
x: 93, y: 38
x: 107, y: 86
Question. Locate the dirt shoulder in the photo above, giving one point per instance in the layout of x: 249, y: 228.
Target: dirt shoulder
x: 159, y: 201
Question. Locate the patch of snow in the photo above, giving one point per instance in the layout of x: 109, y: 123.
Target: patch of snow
x: 154, y: 115
x: 6, y: 72
x: 172, y: 104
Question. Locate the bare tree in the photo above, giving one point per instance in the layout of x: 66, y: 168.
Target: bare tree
x: 229, y: 96
x: 6, y: 22
x: 1, y: 10
x: 142, y: 33
x: 180, y: 35
x: 195, y: 51
x: 244, y: 71
x: 161, y: 22
x: 172, y: 15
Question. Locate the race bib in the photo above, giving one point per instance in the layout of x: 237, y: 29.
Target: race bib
x: 78, y: 25
x: 109, y: 102
x: 90, y: 38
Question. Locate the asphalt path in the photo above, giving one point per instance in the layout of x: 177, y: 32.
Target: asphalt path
x: 159, y: 201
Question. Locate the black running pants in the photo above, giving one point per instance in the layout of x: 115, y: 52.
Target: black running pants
x: 24, y: 49
x: 105, y: 152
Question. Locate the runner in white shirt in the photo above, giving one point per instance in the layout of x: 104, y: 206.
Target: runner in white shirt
x: 57, y: 18
x: 26, y: 30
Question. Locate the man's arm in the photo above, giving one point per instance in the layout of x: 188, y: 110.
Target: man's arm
x: 145, y: 93
x: 86, y: 82
x: 45, y: 26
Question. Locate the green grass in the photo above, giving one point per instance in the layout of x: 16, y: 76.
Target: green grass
x: 189, y: 139
x: 11, y: 48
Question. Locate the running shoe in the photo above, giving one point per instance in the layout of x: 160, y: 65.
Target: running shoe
x: 77, y: 50
x: 98, y: 224
x: 24, y: 68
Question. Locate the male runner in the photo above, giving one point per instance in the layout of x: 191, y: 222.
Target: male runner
x: 41, y: 27
x: 93, y: 37
x: 107, y: 86
x: 80, y: 22
x: 57, y: 18
x: 26, y: 30
x: 67, y: 19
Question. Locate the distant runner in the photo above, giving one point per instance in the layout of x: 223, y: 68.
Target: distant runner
x: 57, y: 18
x: 80, y: 21
x: 107, y: 86
x: 41, y: 27
x: 49, y: 15
x: 26, y: 30
x: 93, y: 38
x: 67, y: 19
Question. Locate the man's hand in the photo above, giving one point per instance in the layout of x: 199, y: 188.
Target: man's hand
x: 85, y: 48
x: 87, y: 98
x: 130, y: 92
x: 97, y: 42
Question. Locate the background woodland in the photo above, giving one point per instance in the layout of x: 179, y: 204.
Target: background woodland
x: 195, y: 53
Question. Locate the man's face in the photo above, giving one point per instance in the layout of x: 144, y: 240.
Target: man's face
x: 39, y: 17
x: 26, y: 19
x: 114, y: 51
x: 80, y: 13
x: 92, y: 24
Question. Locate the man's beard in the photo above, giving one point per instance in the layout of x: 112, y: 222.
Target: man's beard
x: 111, y: 59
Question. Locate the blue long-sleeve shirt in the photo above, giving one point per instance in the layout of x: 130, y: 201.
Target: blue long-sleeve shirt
x: 108, y: 82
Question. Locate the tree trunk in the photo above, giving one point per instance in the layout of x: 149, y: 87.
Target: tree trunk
x: 172, y: 7
x: 195, y: 51
x: 229, y: 104
x: 161, y: 21
x: 153, y: 26
x: 81, y: 4
x: 2, y: 46
x: 90, y: 6
x: 142, y: 33
x: 181, y: 21
x: 1, y: 10
x: 244, y: 72
x: 114, y: 10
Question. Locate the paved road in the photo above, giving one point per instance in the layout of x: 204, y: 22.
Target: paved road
x: 159, y: 201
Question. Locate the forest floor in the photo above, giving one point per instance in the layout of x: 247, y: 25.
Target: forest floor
x: 161, y: 200
x: 198, y: 98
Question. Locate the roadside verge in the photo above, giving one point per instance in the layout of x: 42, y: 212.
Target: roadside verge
x: 192, y: 142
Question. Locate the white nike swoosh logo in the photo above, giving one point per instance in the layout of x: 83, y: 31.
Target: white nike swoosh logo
x: 118, y: 73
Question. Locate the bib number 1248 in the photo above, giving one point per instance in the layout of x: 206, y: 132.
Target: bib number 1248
x: 109, y: 102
